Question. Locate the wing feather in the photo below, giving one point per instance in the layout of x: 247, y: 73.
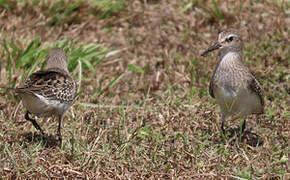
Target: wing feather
x: 53, y: 84
x: 255, y: 87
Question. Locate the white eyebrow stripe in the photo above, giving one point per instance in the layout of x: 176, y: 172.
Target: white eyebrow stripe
x: 233, y: 35
x: 230, y: 35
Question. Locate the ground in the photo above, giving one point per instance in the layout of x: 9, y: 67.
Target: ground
x: 143, y: 108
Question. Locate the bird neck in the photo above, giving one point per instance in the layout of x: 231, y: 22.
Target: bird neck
x: 231, y: 51
x: 56, y: 64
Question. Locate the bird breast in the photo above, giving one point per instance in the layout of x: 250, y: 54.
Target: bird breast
x: 231, y: 86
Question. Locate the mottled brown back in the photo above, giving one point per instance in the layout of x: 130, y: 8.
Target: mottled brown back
x: 54, y: 84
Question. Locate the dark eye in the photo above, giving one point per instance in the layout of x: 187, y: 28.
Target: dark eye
x: 230, y: 39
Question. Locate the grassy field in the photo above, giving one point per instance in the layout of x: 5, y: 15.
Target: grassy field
x: 143, y: 109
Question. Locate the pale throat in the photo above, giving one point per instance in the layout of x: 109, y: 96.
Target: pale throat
x: 231, y: 51
x: 230, y: 56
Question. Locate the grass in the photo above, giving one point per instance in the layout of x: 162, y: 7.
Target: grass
x: 58, y: 12
x: 143, y: 110
x: 27, y: 59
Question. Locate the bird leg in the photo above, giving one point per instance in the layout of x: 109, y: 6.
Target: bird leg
x: 242, y: 128
x: 222, y: 124
x: 34, y: 123
x: 58, y: 129
x: 243, y: 125
x: 223, y: 132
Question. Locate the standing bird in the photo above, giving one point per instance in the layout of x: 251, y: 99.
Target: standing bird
x: 49, y: 92
x: 235, y: 88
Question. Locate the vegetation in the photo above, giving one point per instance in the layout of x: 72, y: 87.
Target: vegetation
x: 143, y: 109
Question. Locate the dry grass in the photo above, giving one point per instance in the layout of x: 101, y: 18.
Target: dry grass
x: 145, y: 112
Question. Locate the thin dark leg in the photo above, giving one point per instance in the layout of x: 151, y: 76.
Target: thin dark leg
x: 58, y: 129
x: 223, y: 132
x: 222, y: 127
x: 34, y: 123
x: 243, y: 125
x: 222, y: 123
x: 242, y: 129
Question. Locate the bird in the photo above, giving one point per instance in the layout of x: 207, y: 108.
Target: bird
x: 235, y: 88
x: 48, y: 92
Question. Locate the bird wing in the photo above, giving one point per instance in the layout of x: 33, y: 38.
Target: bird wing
x: 255, y: 87
x: 53, y: 84
x: 211, y: 84
x: 210, y: 88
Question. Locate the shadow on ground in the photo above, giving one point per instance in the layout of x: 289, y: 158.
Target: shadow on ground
x: 248, y: 137
x: 233, y: 137
x: 47, y: 140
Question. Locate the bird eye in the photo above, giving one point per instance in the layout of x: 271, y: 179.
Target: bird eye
x: 230, y: 39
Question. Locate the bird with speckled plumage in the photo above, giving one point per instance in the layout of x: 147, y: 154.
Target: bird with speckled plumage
x: 49, y: 92
x: 235, y: 88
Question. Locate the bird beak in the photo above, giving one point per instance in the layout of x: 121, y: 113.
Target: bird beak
x: 217, y: 45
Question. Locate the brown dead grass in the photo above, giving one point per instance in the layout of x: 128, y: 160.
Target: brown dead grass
x: 164, y: 125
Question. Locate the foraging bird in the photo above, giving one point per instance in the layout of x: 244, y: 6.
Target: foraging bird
x: 233, y: 85
x: 49, y: 92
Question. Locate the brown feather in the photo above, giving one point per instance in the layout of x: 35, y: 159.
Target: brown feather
x: 54, y: 84
x: 255, y: 87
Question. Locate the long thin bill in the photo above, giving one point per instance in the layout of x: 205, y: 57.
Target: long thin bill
x: 211, y: 48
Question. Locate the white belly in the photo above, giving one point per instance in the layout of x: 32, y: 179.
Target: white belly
x: 40, y: 106
x: 237, y: 102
